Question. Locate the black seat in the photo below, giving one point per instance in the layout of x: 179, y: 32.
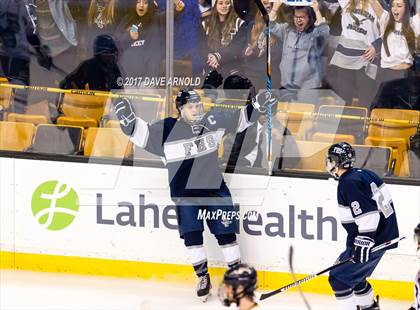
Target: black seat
x: 375, y: 158
x: 57, y: 139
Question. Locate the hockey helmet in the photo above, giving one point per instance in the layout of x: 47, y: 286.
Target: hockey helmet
x: 189, y: 97
x: 238, y: 282
x: 340, y: 155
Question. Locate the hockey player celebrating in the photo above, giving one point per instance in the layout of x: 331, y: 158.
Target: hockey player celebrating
x: 367, y: 214
x: 416, y: 304
x: 239, y: 285
x: 189, y: 148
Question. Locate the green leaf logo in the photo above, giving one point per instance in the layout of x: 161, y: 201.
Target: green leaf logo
x: 54, y: 205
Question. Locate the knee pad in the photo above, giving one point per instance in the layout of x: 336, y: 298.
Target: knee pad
x: 225, y: 239
x: 193, y: 238
x: 339, y: 287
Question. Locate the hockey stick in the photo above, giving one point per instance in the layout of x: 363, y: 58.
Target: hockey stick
x: 292, y: 272
x: 266, y: 18
x: 314, y: 275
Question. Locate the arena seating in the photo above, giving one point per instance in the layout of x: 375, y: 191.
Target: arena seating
x: 107, y: 142
x: 299, y: 124
x: 57, y: 139
x: 16, y: 136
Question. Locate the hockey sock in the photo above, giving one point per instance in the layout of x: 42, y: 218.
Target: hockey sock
x: 363, y: 293
x: 196, y: 252
x: 230, y: 249
x: 345, y: 299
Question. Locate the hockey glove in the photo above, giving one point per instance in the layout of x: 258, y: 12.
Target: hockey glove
x: 213, y: 80
x: 263, y: 100
x: 125, y: 114
x: 362, y: 247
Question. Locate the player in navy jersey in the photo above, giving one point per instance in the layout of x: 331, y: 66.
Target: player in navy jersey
x: 367, y: 214
x: 416, y: 304
x: 188, y: 146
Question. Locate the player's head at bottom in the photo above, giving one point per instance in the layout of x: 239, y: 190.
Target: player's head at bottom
x: 340, y: 157
x: 189, y: 106
x: 238, y: 286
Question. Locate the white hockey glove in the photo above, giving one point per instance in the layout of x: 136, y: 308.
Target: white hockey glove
x: 125, y: 114
x: 362, y: 246
x: 263, y: 100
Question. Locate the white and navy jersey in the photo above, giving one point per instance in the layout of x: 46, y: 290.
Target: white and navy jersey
x: 360, y: 30
x: 191, y: 154
x: 416, y: 304
x: 366, y: 206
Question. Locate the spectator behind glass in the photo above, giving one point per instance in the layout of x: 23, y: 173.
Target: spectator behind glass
x: 141, y: 39
x: 401, y: 93
x: 399, y: 40
x: 223, y: 39
x: 254, y: 67
x: 303, y: 42
x: 17, y: 35
x: 56, y: 29
x: 186, y: 33
x: 357, y: 49
x: 98, y: 17
x: 98, y: 73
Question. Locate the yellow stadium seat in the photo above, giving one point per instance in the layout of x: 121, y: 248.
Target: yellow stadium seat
x: 85, y: 122
x: 107, y: 142
x: 112, y: 124
x: 16, y: 136
x: 333, y: 138
x: 27, y: 118
x: 395, y: 134
x: 83, y: 106
x: 341, y: 120
x: 385, y: 129
x: 5, y: 93
x: 291, y: 116
x: 311, y: 156
x: 399, y: 153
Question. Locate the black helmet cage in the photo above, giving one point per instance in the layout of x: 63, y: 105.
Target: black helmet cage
x: 240, y: 275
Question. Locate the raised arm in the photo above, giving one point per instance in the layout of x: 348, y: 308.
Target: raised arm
x: 144, y: 135
x: 377, y: 8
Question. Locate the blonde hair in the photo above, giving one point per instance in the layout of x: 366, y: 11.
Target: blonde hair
x: 354, y: 3
x: 108, y: 14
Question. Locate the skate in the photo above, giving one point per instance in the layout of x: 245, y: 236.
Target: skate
x: 203, y: 287
x: 375, y: 305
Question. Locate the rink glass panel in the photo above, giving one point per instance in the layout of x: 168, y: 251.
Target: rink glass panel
x: 77, y: 123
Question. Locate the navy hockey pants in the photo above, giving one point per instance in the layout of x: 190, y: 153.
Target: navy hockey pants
x: 350, y: 275
x: 189, y: 212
